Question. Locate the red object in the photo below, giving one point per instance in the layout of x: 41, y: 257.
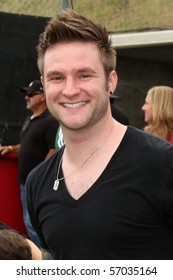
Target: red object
x: 10, y: 204
x: 171, y: 139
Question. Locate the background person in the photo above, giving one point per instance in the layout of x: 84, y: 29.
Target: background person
x: 16, y: 246
x: 117, y: 113
x: 37, y: 142
x: 158, y: 111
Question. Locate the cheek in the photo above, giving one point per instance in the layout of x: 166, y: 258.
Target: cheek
x: 148, y: 116
x: 50, y: 100
x: 51, y: 94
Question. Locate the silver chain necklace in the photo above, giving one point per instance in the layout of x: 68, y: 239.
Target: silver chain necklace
x: 56, y: 183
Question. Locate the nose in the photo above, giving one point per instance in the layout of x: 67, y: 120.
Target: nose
x: 143, y: 107
x: 70, y: 87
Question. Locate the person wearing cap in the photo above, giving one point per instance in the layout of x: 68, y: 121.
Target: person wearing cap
x: 37, y: 142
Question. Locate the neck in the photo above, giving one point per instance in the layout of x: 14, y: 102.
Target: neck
x: 86, y: 141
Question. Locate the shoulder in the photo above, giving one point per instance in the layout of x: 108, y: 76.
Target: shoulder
x: 36, y: 252
x: 42, y: 167
x: 149, y: 146
x: 146, y: 137
x: 44, y: 174
x: 48, y: 121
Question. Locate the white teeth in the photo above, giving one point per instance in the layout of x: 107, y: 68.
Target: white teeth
x: 75, y: 105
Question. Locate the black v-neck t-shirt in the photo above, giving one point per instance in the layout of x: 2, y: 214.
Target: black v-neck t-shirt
x: 126, y: 214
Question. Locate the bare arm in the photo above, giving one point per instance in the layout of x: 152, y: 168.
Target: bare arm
x: 9, y: 149
x: 50, y: 153
x: 36, y: 252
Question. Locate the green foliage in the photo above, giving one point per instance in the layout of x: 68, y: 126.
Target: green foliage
x: 116, y: 15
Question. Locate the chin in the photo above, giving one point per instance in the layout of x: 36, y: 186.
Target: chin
x: 73, y: 126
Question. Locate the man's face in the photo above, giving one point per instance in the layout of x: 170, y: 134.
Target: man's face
x: 77, y: 92
x: 33, y: 101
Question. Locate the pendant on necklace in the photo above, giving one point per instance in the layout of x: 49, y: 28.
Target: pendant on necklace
x: 56, y: 185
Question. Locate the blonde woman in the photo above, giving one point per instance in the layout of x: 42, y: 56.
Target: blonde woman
x: 158, y: 110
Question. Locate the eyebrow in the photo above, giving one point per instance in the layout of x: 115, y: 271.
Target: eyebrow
x: 86, y: 69
x: 81, y: 70
x: 53, y: 73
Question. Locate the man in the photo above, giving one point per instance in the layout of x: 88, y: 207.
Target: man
x: 107, y: 194
x: 37, y: 142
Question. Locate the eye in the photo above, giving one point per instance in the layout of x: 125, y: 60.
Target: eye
x: 56, y: 78
x: 85, y: 76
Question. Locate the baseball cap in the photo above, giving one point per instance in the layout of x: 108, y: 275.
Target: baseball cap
x: 34, y: 86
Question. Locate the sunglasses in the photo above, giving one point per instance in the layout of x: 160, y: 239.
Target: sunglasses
x: 31, y: 94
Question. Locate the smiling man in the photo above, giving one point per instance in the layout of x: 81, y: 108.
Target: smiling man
x: 106, y: 193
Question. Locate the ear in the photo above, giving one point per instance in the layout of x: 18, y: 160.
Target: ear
x: 43, y: 98
x: 42, y: 81
x: 112, y: 81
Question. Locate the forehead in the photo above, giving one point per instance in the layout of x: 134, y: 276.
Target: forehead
x: 68, y: 53
x: 147, y: 99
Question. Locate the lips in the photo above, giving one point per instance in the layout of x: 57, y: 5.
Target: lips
x: 74, y: 105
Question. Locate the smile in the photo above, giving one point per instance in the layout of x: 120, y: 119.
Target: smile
x: 74, y: 105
